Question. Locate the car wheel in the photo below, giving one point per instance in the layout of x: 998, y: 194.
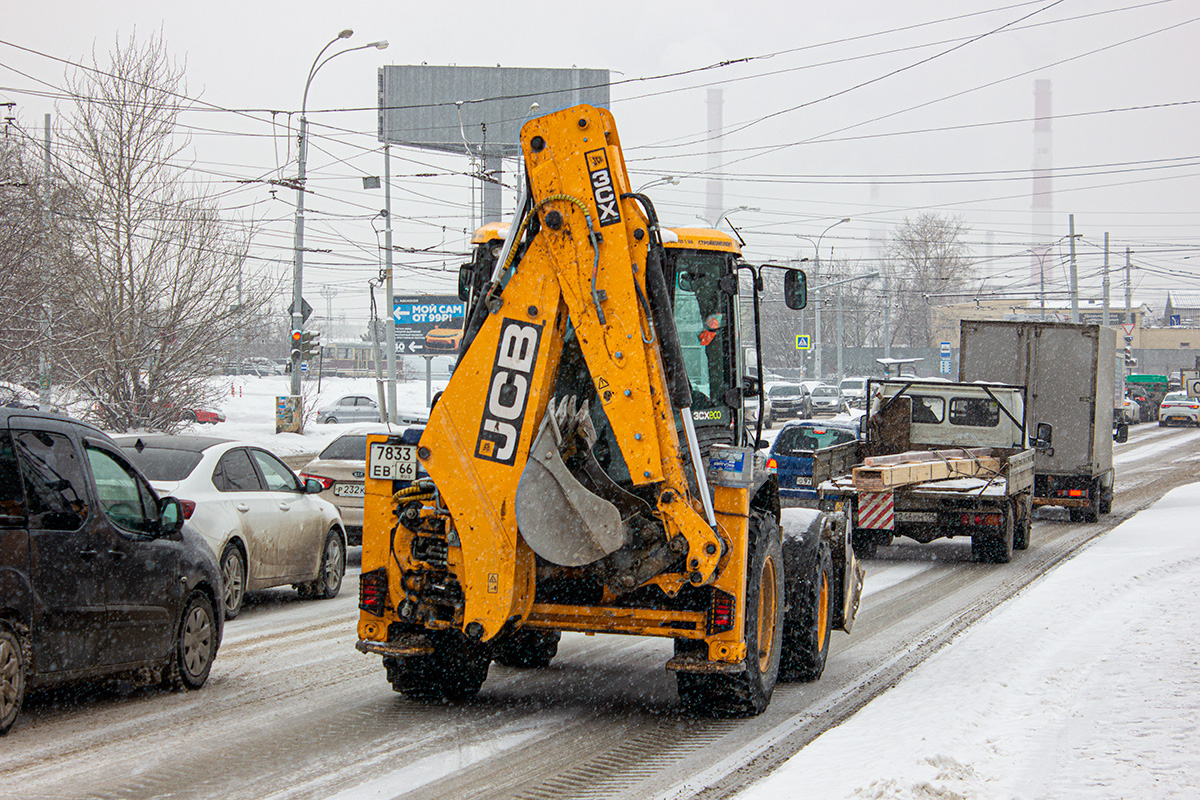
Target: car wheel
x: 333, y: 568
x: 12, y: 677
x: 191, y: 416
x: 233, y: 576
x: 331, y: 420
x: 196, y: 644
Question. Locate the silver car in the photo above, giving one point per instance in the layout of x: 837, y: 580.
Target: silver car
x: 349, y: 408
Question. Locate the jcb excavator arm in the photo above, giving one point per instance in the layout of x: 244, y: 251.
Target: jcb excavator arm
x: 492, y: 446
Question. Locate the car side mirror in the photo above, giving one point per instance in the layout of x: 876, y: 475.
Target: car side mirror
x: 750, y: 386
x: 170, y: 515
x: 313, y: 486
x: 795, y: 289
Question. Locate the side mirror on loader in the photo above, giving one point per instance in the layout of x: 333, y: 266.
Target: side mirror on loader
x: 795, y: 289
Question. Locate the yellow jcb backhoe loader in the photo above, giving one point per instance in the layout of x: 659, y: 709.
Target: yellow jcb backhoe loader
x: 588, y: 468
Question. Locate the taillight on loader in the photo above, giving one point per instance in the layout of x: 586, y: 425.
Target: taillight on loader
x: 721, y: 614
x: 372, y: 591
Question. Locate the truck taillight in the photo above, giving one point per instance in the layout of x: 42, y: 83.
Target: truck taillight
x: 988, y: 520
x: 372, y: 591
x: 720, y: 617
x: 772, y: 465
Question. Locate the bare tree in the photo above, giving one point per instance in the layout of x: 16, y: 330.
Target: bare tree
x: 21, y: 239
x: 158, y: 288
x: 928, y: 261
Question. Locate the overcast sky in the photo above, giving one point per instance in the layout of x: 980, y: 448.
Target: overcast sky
x: 875, y: 111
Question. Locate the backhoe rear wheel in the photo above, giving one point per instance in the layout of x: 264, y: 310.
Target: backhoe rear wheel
x: 453, y: 673
x: 527, y: 649
x: 809, y: 620
x: 747, y: 693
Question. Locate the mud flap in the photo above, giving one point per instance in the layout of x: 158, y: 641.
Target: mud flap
x: 557, y: 516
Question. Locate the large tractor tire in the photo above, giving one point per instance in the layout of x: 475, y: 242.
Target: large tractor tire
x: 748, y: 692
x: 453, y: 673
x: 809, y: 620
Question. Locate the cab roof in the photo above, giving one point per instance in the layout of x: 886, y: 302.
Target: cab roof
x: 700, y: 239
x: 490, y: 233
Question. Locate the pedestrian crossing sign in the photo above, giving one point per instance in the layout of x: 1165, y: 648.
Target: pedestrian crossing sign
x: 803, y: 342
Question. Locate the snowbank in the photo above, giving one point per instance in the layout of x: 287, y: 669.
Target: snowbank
x: 1082, y: 686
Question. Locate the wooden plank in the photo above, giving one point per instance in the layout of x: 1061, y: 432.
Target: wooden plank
x: 881, y: 478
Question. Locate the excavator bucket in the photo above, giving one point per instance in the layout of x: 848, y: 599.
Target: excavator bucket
x: 559, y: 518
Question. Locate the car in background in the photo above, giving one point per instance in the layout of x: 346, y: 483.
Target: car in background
x: 788, y: 401
x: 341, y: 470
x: 826, y: 400
x: 349, y: 408
x: 262, y: 522
x: 791, y: 454
x: 99, y: 574
x: 1132, y: 411
x: 1177, y: 407
x: 853, y: 392
x: 202, y: 416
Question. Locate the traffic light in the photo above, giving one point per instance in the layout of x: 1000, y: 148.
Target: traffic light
x: 297, y: 338
x: 310, y: 344
x: 1130, y: 361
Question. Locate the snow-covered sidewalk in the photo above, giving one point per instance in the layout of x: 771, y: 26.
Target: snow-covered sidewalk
x: 1086, y: 685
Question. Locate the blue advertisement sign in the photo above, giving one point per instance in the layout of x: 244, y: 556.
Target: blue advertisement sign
x: 428, y: 325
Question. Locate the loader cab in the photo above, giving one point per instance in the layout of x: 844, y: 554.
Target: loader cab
x: 701, y: 271
x: 486, y: 244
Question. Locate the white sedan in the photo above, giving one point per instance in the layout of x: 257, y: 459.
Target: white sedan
x: 1178, y: 407
x: 262, y: 522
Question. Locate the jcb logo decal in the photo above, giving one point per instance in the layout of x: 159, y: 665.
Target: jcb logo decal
x: 604, y: 192
x: 508, y: 391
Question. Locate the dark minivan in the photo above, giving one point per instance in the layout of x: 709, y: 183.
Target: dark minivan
x: 98, y: 575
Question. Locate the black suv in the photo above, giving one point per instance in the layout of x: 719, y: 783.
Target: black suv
x: 98, y: 575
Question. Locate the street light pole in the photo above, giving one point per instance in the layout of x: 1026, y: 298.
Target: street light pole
x: 301, y: 176
x: 724, y: 214
x: 821, y: 297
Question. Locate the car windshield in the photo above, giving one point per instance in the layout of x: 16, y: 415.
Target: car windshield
x: 853, y: 384
x: 352, y: 447
x: 1176, y: 397
x: 825, y: 391
x: 163, y: 464
x: 783, y: 391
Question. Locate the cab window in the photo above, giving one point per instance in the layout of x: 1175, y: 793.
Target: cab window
x: 928, y: 410
x: 974, y: 412
x: 703, y: 317
x: 12, y: 498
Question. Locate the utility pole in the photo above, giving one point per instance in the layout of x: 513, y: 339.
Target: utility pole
x: 841, y: 373
x: 817, y: 341
x: 1074, y: 276
x: 390, y: 301
x: 887, y: 318
x: 1128, y: 289
x: 45, y: 394
x: 1104, y: 313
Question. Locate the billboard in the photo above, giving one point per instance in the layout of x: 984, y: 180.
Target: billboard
x: 428, y: 325
x: 420, y: 105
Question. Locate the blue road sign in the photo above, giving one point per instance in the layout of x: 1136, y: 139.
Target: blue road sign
x: 803, y: 342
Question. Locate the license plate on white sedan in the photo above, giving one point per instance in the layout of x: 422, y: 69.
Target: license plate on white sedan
x: 392, y: 462
x: 350, y: 490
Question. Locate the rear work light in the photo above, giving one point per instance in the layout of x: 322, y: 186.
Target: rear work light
x: 372, y: 591
x: 326, y: 483
x: 721, y: 614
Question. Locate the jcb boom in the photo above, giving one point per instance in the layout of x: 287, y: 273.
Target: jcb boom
x: 588, y: 464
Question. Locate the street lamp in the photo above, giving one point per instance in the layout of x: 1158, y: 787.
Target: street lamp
x: 821, y: 300
x: 671, y: 179
x: 301, y: 158
x: 725, y: 214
